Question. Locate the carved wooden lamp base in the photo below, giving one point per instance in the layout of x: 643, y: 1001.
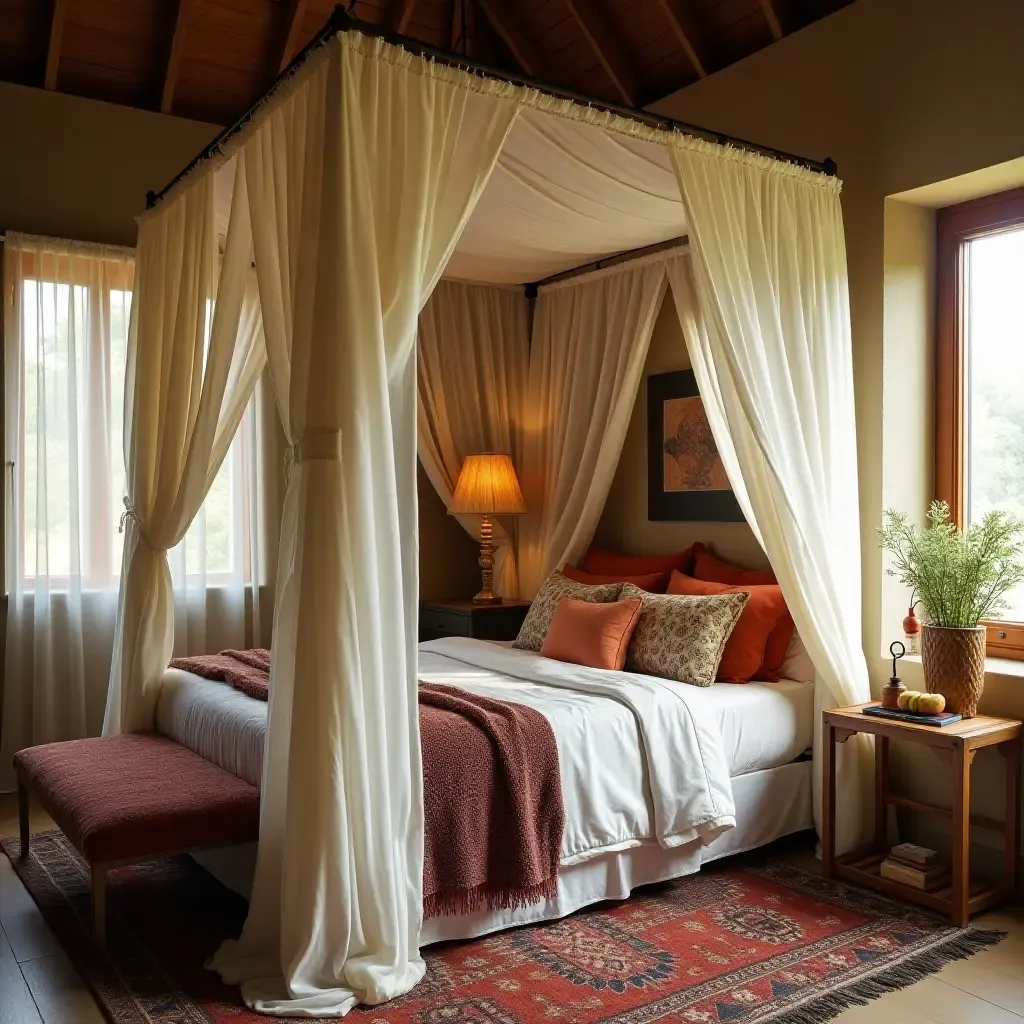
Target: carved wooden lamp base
x: 486, y: 563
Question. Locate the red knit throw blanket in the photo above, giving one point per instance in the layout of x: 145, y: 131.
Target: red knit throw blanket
x: 492, y: 792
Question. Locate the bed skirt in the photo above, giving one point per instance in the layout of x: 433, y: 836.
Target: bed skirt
x: 770, y: 804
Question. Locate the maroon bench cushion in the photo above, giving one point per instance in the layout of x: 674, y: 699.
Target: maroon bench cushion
x: 135, y: 795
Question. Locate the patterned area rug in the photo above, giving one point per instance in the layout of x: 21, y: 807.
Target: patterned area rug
x: 765, y: 942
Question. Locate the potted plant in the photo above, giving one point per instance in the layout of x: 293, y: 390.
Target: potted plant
x: 961, y: 577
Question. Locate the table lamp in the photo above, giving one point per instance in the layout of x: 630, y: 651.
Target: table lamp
x: 487, y: 486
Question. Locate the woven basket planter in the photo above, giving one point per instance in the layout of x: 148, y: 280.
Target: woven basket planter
x: 954, y: 665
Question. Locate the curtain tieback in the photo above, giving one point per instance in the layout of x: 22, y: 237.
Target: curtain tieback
x: 318, y: 443
x: 129, y: 513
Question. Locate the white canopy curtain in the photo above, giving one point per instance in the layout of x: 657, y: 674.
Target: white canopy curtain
x: 473, y: 355
x: 764, y: 306
x: 590, y: 341
x: 355, y: 210
x: 195, y: 351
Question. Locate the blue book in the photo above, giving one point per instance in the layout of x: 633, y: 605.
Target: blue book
x: 877, y: 711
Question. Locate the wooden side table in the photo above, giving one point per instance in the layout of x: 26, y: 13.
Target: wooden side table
x: 955, y: 745
x: 463, y: 618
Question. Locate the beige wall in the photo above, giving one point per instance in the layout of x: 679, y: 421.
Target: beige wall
x: 77, y: 168
x: 624, y: 525
x: 902, y: 93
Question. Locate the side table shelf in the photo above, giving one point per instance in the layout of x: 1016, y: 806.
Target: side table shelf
x: 955, y: 745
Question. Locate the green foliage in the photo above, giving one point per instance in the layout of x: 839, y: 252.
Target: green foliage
x: 961, y: 577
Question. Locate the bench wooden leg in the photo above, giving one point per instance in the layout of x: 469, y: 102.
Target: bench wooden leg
x: 99, y: 904
x: 23, y: 817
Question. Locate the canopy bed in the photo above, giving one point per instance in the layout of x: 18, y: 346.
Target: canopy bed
x: 308, y: 240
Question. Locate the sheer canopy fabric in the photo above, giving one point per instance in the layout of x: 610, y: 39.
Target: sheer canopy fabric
x: 568, y: 191
x: 473, y: 356
x: 590, y: 341
x: 355, y: 210
x: 767, y: 321
x: 195, y: 351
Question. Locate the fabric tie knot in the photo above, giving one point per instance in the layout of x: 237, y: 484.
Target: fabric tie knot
x: 318, y: 443
x: 128, y: 513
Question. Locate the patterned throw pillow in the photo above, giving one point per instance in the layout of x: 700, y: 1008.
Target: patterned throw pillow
x: 682, y: 636
x: 554, y: 588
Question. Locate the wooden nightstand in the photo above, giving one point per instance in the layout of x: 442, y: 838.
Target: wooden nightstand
x: 955, y: 745
x: 463, y: 618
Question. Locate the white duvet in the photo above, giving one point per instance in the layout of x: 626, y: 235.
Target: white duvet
x: 641, y: 758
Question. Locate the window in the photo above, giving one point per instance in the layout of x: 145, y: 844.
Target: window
x: 979, y: 419
x: 66, y: 362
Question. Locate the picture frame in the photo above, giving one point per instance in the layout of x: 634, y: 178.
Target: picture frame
x: 686, y: 480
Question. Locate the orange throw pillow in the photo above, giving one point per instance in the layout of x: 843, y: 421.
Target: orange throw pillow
x: 745, y: 654
x: 653, y: 582
x: 611, y: 563
x: 716, y: 570
x: 595, y: 635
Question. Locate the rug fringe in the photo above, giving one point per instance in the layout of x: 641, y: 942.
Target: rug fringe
x: 891, y: 979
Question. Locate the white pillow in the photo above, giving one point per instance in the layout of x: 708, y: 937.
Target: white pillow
x: 797, y: 664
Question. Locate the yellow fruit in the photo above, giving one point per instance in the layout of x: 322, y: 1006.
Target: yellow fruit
x: 931, y: 703
x: 914, y: 702
x: 903, y: 701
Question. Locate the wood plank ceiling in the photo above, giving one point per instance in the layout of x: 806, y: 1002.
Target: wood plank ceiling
x: 209, y: 59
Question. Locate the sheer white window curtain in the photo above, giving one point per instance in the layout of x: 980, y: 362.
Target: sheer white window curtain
x: 66, y: 315
x: 474, y: 350
x: 764, y: 305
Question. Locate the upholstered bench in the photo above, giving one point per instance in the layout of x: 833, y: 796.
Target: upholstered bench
x: 125, y: 799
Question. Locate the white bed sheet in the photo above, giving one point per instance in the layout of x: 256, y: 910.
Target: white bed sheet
x: 763, y: 725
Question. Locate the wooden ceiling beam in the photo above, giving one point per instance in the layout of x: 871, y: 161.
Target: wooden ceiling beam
x: 606, y: 48
x: 174, y: 51
x: 516, y: 38
x: 771, y: 15
x: 402, y: 15
x: 288, y: 42
x: 60, y: 8
x: 691, y: 35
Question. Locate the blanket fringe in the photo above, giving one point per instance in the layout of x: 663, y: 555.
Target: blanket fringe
x: 890, y: 979
x: 449, y: 902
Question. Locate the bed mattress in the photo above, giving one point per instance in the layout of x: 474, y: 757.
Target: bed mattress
x: 763, y: 725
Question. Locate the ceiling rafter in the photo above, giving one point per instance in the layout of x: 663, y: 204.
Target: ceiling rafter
x: 606, y: 48
x: 523, y: 47
x: 60, y: 8
x: 772, y: 16
x: 691, y: 35
x: 174, y: 52
x: 402, y: 15
x: 288, y: 43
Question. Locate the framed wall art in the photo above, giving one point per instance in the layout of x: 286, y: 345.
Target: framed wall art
x: 685, y: 476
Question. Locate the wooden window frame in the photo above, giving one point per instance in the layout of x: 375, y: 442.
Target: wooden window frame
x: 955, y: 226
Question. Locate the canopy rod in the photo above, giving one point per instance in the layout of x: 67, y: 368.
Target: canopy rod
x: 626, y: 256
x: 341, y: 21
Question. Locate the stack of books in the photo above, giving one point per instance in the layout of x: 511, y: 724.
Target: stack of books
x: 916, y: 866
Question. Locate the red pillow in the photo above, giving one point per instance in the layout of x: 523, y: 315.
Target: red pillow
x: 745, y: 654
x: 595, y: 635
x: 707, y: 566
x: 611, y: 563
x: 653, y: 582
x: 715, y: 570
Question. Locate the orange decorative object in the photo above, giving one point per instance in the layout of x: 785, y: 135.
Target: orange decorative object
x: 912, y: 632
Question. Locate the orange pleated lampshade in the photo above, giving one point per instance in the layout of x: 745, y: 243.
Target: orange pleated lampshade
x: 487, y: 485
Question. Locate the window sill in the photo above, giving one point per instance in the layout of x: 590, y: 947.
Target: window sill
x: 993, y: 666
